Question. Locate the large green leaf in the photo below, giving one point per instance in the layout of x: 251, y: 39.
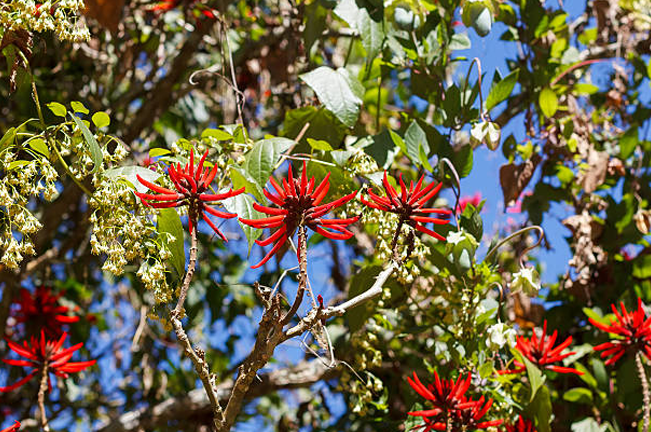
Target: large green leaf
x: 415, y: 137
x: 502, y: 90
x: 340, y: 92
x: 261, y: 161
x: 129, y: 173
x: 168, y: 221
x: 578, y: 395
x: 242, y: 205
x: 95, y: 151
x: 323, y: 125
x: 536, y: 379
x: 382, y: 148
x: 541, y: 409
x: 368, y: 21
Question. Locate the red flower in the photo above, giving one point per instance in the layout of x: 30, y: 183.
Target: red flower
x: 191, y: 189
x: 45, y: 352
x: 451, y: 406
x: 12, y: 428
x: 409, y: 205
x: 521, y: 425
x: 541, y: 353
x: 298, y: 203
x: 633, y: 329
x: 41, y: 310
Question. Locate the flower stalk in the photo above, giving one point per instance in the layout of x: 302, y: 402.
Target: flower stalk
x: 646, y: 400
x: 41, y: 397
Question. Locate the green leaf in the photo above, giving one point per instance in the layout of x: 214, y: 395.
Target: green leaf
x: 95, y: 151
x: 16, y: 164
x: 459, y: 41
x: 8, y: 138
x: 57, y: 109
x: 101, y: 119
x: 358, y: 284
x: 261, y: 161
x: 242, y: 205
x: 541, y: 408
x: 502, y: 90
x: 536, y: 378
x: 158, y: 151
x: 578, y: 395
x: 368, y: 24
x: 627, y: 142
x: 382, y: 148
x: 241, y: 179
x: 218, y: 134
x: 319, y: 144
x: 323, y: 125
x: 548, y: 102
x: 642, y: 267
x: 129, y: 173
x: 79, y: 107
x: 168, y: 221
x: 415, y: 138
x: 38, y: 144
x: 338, y: 91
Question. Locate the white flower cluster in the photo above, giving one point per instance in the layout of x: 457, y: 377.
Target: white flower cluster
x: 499, y: 336
x: 58, y: 16
x: 21, y: 183
x: 123, y: 233
x: 387, y: 226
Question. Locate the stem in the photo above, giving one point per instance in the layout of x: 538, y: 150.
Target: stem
x: 196, y: 355
x: 379, y: 96
x: 645, y: 392
x: 192, y: 264
x: 394, y: 242
x: 53, y: 144
x: 41, y: 397
x: 515, y: 234
x: 302, y: 274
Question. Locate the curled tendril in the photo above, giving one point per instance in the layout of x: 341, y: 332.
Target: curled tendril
x: 541, y: 235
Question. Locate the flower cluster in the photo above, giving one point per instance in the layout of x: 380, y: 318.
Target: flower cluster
x: 633, y: 330
x: 192, y: 189
x: 298, y: 204
x: 541, y: 352
x: 410, y: 204
x: 58, y: 16
x: 451, y: 409
x: 45, y: 355
x: 41, y: 310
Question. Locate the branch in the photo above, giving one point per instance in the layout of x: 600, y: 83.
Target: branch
x: 196, y: 404
x: 317, y: 314
x: 197, y: 356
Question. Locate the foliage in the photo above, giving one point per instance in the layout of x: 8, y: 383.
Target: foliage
x: 375, y: 108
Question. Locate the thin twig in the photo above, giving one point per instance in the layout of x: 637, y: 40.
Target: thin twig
x: 41, y: 397
x: 516, y: 234
x: 192, y: 264
x: 645, y: 391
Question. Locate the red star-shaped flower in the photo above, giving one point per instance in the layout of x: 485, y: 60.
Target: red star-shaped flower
x: 633, y: 330
x: 167, y: 5
x: 192, y: 190
x: 41, y: 310
x: 450, y: 406
x: 14, y: 427
x: 541, y: 353
x: 298, y: 203
x: 522, y: 425
x: 42, y: 352
x: 410, y: 204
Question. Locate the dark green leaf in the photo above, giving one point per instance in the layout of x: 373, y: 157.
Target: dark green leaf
x: 168, y: 221
x: 95, y: 151
x: 358, y: 284
x: 642, y: 267
x: 502, y: 90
